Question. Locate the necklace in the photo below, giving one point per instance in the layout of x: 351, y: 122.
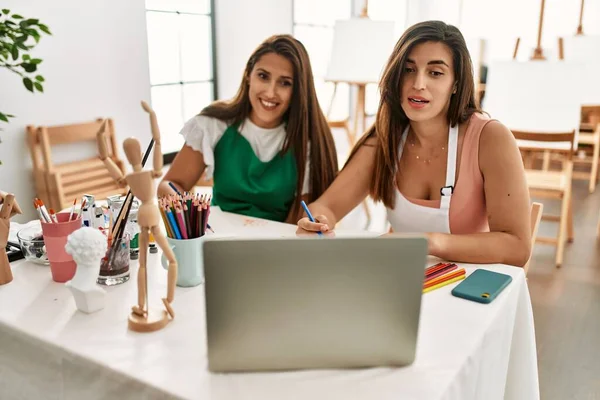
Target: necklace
x: 426, y: 159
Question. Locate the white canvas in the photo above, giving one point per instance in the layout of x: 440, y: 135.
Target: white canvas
x: 361, y: 48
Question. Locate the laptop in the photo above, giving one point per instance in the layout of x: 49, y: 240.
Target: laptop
x: 312, y: 303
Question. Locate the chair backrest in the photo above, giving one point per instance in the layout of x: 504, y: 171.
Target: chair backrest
x: 549, y: 139
x: 534, y: 96
x: 535, y: 218
x: 590, y: 118
x: 59, y: 184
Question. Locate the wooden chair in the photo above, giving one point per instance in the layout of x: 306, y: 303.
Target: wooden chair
x: 58, y: 184
x: 584, y: 49
x: 553, y: 184
x: 535, y: 218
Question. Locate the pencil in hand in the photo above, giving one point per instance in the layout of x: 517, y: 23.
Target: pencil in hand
x: 309, y: 215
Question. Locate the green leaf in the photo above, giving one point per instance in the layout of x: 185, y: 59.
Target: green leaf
x: 24, y: 24
x: 16, y: 16
x: 5, y: 11
x: 36, y: 61
x: 28, y: 84
x: 3, y: 117
x: 39, y: 87
x: 22, y: 38
x: 9, y: 115
x: 10, y: 23
x: 32, y: 21
x: 22, y: 46
x: 15, y: 52
x: 39, y: 78
x: 26, y: 57
x: 45, y: 29
x: 29, y: 67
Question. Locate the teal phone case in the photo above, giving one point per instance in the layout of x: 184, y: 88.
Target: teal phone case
x: 482, y: 286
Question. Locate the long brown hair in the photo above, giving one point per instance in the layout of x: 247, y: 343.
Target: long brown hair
x: 391, y: 120
x: 304, y: 117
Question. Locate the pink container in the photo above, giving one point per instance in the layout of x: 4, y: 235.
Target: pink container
x: 62, y: 265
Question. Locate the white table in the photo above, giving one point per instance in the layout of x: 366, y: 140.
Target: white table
x: 50, y: 350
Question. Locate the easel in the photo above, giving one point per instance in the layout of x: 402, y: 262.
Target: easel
x: 538, y: 53
x: 360, y: 111
x: 580, y: 26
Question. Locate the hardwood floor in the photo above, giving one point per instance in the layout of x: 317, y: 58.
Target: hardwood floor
x: 566, y: 304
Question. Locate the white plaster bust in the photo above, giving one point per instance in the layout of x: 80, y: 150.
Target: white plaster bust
x: 87, y: 246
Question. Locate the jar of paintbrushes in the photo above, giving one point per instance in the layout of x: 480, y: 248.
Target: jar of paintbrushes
x: 114, y: 268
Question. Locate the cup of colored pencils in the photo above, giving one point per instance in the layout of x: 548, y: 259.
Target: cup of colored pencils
x: 185, y: 216
x: 186, y: 221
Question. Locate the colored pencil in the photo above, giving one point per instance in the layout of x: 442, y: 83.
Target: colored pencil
x: 458, y: 278
x: 173, y: 224
x: 181, y: 221
x: 441, y: 272
x: 434, y: 268
x: 444, y: 278
x: 309, y: 215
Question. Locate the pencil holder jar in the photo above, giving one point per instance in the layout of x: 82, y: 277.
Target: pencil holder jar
x: 55, y: 234
x: 188, y: 253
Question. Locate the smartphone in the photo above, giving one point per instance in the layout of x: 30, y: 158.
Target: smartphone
x: 482, y: 286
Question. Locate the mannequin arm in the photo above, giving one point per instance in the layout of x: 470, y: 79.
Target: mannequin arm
x: 157, y: 156
x: 114, y: 171
x: 7, y: 206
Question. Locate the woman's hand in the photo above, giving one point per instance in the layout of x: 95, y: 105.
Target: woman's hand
x: 321, y: 224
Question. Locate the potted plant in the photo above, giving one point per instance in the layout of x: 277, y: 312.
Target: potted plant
x: 18, y: 36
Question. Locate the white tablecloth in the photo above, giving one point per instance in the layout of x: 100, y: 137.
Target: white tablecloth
x: 50, y: 350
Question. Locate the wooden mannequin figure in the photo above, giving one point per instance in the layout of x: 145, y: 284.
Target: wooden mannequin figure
x: 9, y: 208
x: 142, y: 186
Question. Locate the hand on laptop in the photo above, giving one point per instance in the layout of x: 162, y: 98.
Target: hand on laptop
x: 321, y: 224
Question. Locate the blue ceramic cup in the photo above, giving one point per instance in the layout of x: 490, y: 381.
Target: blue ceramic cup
x: 190, y: 268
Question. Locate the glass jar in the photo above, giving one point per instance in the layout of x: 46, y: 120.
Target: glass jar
x: 114, y: 268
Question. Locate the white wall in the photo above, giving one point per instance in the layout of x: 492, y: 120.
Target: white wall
x: 95, y: 65
x: 241, y: 26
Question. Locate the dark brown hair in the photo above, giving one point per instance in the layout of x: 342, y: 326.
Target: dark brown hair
x: 391, y: 120
x: 304, y: 117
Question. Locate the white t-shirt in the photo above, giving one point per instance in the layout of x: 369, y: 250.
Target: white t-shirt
x: 202, y: 134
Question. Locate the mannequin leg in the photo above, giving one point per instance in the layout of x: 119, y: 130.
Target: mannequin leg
x: 161, y: 241
x: 141, y: 278
x: 5, y: 271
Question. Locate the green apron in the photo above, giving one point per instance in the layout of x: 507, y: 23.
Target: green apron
x: 245, y: 185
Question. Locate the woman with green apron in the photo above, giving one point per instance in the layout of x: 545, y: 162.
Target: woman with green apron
x: 267, y: 148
